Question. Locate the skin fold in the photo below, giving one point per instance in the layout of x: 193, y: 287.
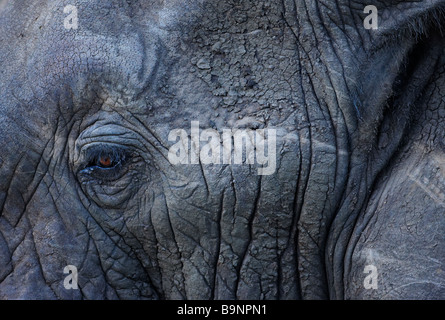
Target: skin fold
x: 86, y: 179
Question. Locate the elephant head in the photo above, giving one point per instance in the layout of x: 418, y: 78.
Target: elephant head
x: 222, y: 149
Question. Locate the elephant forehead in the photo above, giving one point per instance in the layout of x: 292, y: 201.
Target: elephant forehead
x: 127, y: 60
x: 60, y: 43
x: 83, y: 55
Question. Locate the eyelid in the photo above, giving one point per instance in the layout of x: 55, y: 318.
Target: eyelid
x: 91, y: 155
x: 99, y: 150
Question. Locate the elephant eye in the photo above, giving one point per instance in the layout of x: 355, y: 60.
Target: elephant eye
x: 105, y: 162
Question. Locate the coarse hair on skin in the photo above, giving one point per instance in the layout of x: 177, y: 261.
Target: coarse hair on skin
x: 412, y: 34
x: 419, y: 26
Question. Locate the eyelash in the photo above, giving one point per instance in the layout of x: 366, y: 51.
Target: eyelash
x: 117, y: 157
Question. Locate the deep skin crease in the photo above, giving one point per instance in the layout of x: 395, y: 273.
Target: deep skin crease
x: 85, y: 179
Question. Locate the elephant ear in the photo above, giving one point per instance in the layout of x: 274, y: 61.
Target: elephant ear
x: 401, y: 58
x: 400, y: 68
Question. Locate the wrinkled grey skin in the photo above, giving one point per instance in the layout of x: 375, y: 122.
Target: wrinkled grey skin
x: 360, y: 172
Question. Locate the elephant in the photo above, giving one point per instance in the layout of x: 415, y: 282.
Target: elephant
x: 222, y: 150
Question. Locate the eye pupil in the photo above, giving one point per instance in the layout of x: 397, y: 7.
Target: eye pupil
x: 105, y: 161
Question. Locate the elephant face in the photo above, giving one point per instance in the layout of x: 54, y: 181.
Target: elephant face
x: 232, y: 150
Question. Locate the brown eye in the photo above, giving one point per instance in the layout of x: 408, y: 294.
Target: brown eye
x: 105, y: 162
